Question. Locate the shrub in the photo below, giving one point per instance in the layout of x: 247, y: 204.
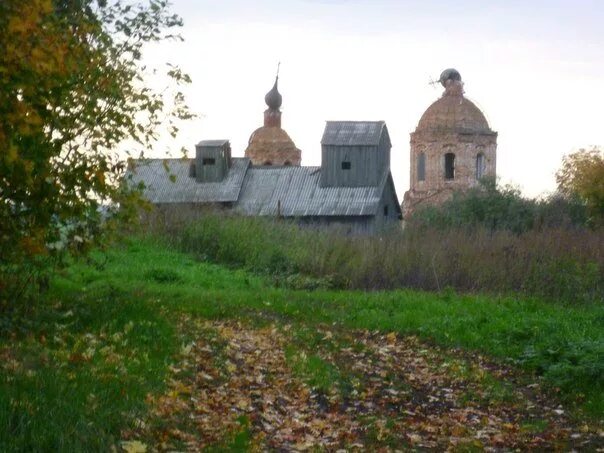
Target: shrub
x: 498, y: 208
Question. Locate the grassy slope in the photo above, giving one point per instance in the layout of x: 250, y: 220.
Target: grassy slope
x: 83, y: 369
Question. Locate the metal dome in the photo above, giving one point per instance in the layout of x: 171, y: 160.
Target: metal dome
x: 273, y: 98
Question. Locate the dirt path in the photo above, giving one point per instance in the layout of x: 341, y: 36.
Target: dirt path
x: 283, y: 387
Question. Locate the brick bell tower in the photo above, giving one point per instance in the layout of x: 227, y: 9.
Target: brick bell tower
x: 452, y: 147
x: 269, y: 144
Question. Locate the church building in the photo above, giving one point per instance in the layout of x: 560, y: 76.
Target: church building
x: 452, y: 148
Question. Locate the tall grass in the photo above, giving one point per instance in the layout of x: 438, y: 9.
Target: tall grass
x: 559, y: 264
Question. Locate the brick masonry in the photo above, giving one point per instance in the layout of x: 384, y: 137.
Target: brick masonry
x: 452, y: 124
x: 271, y: 145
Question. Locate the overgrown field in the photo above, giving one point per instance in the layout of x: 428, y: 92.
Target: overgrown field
x: 556, y: 264
x: 133, y: 340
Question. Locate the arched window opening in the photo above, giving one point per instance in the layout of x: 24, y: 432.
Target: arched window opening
x: 449, y: 166
x: 421, y: 167
x: 268, y: 162
x: 480, y: 166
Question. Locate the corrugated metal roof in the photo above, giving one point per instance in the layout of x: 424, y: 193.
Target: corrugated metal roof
x: 212, y: 142
x: 296, y: 190
x: 257, y: 190
x: 353, y: 133
x: 159, y: 188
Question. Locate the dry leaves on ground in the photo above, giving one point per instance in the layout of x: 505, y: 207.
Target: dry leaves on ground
x: 284, y: 387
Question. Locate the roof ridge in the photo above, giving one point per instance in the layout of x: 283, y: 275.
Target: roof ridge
x: 150, y: 159
x: 353, y: 133
x: 355, y: 121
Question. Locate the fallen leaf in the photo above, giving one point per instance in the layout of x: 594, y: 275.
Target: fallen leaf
x: 133, y: 446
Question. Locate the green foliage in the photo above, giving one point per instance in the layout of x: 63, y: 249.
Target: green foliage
x: 558, y: 210
x: 71, y: 91
x: 568, y: 362
x: 164, y: 276
x: 582, y: 176
x: 500, y: 208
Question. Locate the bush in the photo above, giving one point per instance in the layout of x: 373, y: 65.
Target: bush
x: 498, y: 208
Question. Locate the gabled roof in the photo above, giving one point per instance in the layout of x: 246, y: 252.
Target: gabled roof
x: 156, y: 174
x: 212, y: 143
x: 353, y: 133
x: 295, y: 192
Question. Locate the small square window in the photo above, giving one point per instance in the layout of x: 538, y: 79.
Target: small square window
x: 208, y: 161
x: 346, y: 165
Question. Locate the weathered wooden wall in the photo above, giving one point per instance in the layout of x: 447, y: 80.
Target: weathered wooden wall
x: 208, y: 172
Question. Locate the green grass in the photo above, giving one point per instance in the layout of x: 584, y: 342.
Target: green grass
x: 316, y: 371
x: 82, y: 372
x: 85, y: 360
x: 564, y: 344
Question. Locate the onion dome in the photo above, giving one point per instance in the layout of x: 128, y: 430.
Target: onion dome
x: 269, y: 144
x: 453, y: 111
x: 273, y: 98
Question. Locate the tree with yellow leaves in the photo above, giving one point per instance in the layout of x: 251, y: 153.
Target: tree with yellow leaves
x: 582, y: 176
x: 72, y: 89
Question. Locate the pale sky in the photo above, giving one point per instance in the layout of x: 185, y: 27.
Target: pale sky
x: 535, y: 68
